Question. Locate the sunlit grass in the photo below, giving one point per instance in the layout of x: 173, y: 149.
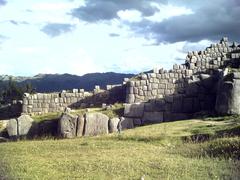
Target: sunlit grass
x: 159, y: 151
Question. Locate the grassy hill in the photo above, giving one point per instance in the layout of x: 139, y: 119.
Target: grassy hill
x: 192, y: 149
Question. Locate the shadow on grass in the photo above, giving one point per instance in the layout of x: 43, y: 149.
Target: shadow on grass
x: 198, y: 138
x: 44, y: 129
x: 137, y: 138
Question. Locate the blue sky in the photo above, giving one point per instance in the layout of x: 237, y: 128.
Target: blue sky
x: 129, y: 36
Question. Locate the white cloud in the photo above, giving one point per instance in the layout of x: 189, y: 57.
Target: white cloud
x: 31, y: 50
x: 81, y: 63
x: 52, y: 6
x: 130, y: 15
x: 168, y: 11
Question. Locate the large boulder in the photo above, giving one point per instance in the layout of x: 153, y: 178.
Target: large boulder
x: 20, y: 127
x: 152, y: 117
x: 113, y: 125
x: 25, y: 123
x: 12, y: 128
x: 126, y: 123
x: 228, y: 99
x: 80, y: 126
x: 134, y: 110
x: 68, y: 125
x: 3, y: 124
x: 95, y: 124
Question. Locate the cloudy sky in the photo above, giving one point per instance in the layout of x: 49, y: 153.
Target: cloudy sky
x: 84, y: 36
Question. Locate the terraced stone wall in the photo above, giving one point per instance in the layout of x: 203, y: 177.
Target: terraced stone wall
x: 41, y: 103
x: 166, y: 95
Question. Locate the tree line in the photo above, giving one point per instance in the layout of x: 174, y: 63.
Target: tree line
x: 10, y: 91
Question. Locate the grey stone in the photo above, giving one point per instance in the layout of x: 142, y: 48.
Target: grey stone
x: 187, y: 105
x: 95, y: 124
x: 236, y: 75
x: 149, y: 107
x: 113, y: 125
x: 80, y: 126
x: 19, y: 127
x: 192, y: 89
x: 67, y: 125
x: 169, y: 99
x: 137, y: 122
x: 12, y: 128
x: 3, y: 124
x: 228, y: 99
x: 130, y: 98
x: 25, y: 123
x: 67, y: 110
x: 134, y: 110
x: 126, y: 123
x: 177, y: 104
x: 152, y: 117
x: 169, y: 116
x: 144, y: 77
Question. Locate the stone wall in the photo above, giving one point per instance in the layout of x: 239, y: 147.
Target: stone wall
x: 228, y: 94
x: 41, y: 103
x: 178, y: 93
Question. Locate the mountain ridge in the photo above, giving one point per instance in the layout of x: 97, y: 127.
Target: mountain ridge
x: 58, y: 82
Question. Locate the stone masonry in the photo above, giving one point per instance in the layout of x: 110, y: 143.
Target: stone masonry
x: 162, y: 95
x: 41, y: 103
x: 166, y: 95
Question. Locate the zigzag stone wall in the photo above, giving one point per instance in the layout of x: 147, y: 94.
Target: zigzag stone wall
x: 42, y: 103
x: 178, y: 93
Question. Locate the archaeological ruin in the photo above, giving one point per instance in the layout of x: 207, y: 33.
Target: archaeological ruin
x: 208, y: 81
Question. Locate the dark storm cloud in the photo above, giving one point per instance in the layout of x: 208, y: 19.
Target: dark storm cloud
x: 114, y: 35
x: 210, y: 20
x: 55, y: 29
x: 3, y: 2
x: 100, y: 10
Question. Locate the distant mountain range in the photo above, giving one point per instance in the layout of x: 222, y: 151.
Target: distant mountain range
x: 58, y: 82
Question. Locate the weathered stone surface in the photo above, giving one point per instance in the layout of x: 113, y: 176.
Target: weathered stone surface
x: 113, y: 125
x: 126, y: 123
x: 228, y: 99
x: 95, y: 124
x: 25, y: 123
x: 12, y: 128
x: 187, y: 105
x: 168, y: 116
x: 19, y: 127
x: 236, y: 75
x: 134, y: 110
x: 152, y: 117
x: 67, y: 125
x: 4, y: 123
x: 177, y: 104
x: 80, y: 126
x: 137, y: 122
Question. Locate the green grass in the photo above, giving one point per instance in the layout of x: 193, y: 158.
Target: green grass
x: 115, y: 111
x: 162, y: 151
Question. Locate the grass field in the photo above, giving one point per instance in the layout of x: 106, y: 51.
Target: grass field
x: 191, y: 149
